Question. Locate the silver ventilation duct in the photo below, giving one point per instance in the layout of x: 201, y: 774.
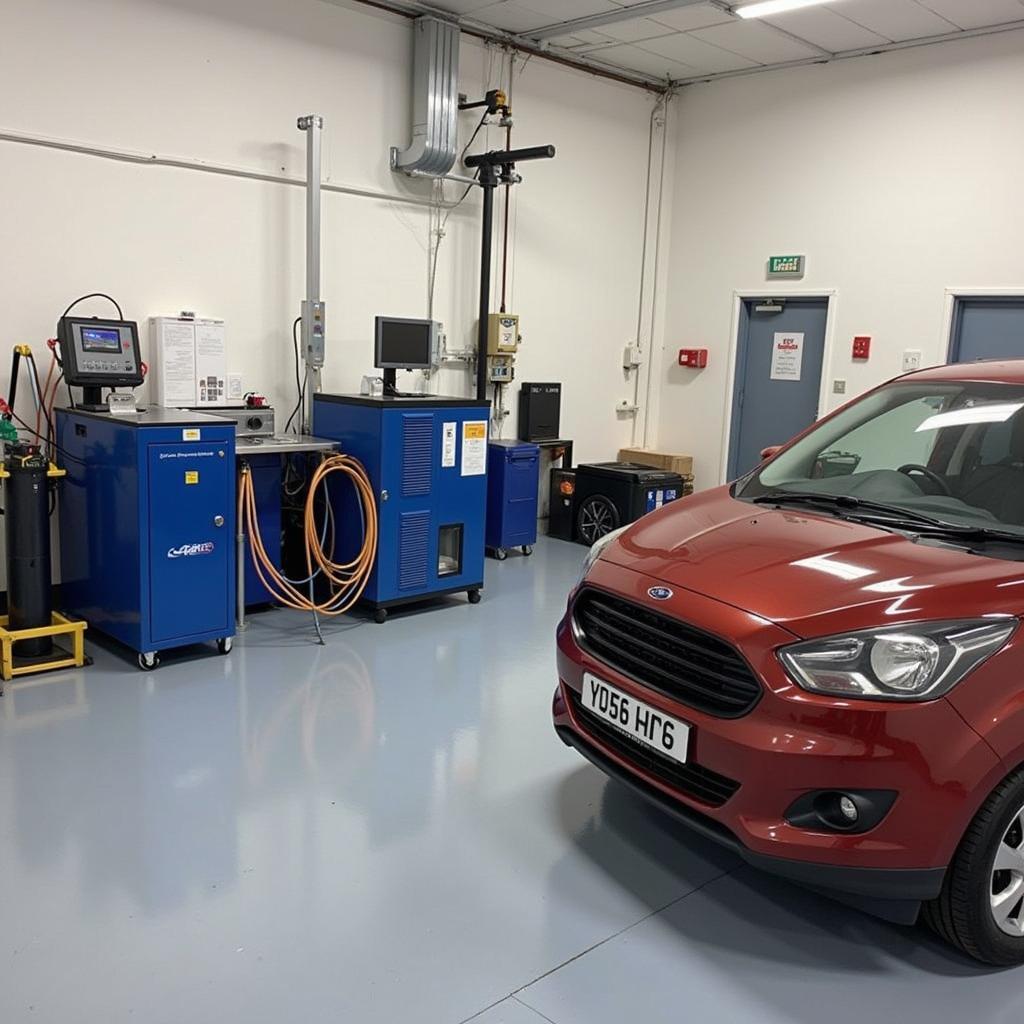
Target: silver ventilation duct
x: 435, y: 100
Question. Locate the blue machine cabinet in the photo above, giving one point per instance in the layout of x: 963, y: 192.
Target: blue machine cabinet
x: 513, y: 478
x: 147, y: 524
x: 427, y: 461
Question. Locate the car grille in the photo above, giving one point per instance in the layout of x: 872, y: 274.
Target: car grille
x: 699, y: 783
x: 667, y: 655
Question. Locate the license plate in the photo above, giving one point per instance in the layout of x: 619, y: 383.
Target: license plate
x: 653, y: 728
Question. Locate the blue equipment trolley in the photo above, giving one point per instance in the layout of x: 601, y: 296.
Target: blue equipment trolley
x: 513, y: 479
x: 147, y: 526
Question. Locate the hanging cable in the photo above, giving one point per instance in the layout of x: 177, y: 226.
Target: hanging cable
x: 300, y: 384
x: 347, y: 580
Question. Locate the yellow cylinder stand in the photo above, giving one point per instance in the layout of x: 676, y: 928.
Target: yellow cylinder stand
x: 59, y: 626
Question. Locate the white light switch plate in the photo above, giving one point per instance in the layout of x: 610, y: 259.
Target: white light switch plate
x: 912, y: 359
x: 839, y: 387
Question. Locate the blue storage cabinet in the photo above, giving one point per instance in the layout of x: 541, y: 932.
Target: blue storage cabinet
x: 427, y: 462
x: 147, y: 526
x: 513, y: 477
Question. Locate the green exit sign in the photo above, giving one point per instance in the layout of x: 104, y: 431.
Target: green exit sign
x: 786, y: 266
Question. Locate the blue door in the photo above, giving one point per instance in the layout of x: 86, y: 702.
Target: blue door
x: 987, y: 329
x: 778, y: 376
x: 191, y: 507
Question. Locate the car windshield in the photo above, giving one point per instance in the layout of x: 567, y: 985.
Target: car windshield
x: 952, y: 452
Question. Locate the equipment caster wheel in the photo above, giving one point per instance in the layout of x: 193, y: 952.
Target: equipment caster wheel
x: 474, y: 596
x: 527, y: 550
x: 500, y: 554
x: 224, y: 645
x: 380, y: 616
x: 149, y: 661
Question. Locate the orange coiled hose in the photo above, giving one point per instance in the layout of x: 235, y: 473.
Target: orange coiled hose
x: 347, y: 579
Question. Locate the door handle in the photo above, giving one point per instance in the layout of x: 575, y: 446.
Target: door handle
x: 218, y: 520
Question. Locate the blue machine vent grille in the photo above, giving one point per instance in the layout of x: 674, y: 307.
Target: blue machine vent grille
x: 413, y: 542
x: 417, y: 453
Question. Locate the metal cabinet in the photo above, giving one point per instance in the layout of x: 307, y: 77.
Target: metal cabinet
x: 147, y: 523
x: 513, y: 480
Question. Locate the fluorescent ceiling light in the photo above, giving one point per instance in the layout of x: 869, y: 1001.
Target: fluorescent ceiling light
x: 766, y: 8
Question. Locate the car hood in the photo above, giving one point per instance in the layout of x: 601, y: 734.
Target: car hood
x: 810, y: 572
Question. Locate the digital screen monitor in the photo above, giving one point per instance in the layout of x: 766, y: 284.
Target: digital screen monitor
x: 101, y: 339
x: 403, y: 344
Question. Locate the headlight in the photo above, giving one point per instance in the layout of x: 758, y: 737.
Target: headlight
x: 596, y: 548
x: 920, y: 661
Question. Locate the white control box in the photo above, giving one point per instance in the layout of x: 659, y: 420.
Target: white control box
x: 187, y: 361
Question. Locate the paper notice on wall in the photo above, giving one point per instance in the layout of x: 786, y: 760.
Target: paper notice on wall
x: 474, y: 448
x: 211, y: 362
x: 173, y: 347
x: 448, y: 445
x: 787, y: 356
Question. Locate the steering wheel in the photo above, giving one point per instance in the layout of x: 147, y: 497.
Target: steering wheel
x: 913, y: 467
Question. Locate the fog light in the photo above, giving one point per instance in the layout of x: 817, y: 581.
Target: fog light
x: 854, y: 811
x: 848, y: 809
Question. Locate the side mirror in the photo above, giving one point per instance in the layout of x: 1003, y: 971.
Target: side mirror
x: 772, y: 449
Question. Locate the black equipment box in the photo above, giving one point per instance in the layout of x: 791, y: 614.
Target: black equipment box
x: 539, y: 411
x: 562, y: 504
x: 612, y: 494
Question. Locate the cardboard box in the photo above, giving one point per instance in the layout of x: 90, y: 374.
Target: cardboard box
x: 670, y: 461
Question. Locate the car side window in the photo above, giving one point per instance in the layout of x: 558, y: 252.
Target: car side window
x: 995, y: 444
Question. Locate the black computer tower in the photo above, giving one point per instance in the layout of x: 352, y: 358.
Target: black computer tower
x: 562, y: 518
x: 540, y: 407
x: 612, y: 494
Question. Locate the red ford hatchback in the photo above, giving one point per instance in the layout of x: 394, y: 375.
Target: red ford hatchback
x: 820, y: 665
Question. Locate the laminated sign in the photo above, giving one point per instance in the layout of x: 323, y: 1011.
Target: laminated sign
x: 474, y: 448
x: 787, y: 356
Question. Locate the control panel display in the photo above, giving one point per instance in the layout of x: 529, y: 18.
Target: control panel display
x: 100, y: 353
x: 100, y: 339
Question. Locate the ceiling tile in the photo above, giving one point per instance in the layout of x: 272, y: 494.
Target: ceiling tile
x: 462, y: 6
x: 635, y: 59
x: 636, y: 28
x: 895, y: 19
x: 976, y: 13
x: 582, y: 37
x: 696, y: 53
x: 828, y: 30
x: 756, y: 41
x: 510, y: 16
x: 686, y: 18
x: 554, y: 11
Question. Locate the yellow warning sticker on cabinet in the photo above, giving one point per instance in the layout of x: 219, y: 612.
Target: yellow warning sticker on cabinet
x: 474, y: 448
x: 191, y: 476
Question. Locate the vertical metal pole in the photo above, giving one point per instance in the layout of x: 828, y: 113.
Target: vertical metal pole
x: 312, y: 307
x: 240, y: 560
x: 488, y: 183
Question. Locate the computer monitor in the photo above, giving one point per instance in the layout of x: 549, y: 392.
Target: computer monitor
x: 404, y: 344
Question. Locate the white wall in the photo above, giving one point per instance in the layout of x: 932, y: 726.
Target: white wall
x: 899, y: 176
x: 223, y: 81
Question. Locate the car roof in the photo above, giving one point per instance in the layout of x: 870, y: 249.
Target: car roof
x: 998, y: 371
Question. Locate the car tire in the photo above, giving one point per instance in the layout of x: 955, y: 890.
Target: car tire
x: 597, y: 516
x: 968, y: 913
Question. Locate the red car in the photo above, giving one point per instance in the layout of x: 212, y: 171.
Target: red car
x: 821, y: 665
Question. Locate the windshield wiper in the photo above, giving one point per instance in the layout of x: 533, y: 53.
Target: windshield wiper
x: 889, y: 515
x: 848, y: 503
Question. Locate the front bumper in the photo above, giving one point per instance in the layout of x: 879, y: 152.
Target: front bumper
x: 790, y: 744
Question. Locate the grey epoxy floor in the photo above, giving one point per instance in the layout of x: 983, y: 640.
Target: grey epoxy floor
x: 386, y: 829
